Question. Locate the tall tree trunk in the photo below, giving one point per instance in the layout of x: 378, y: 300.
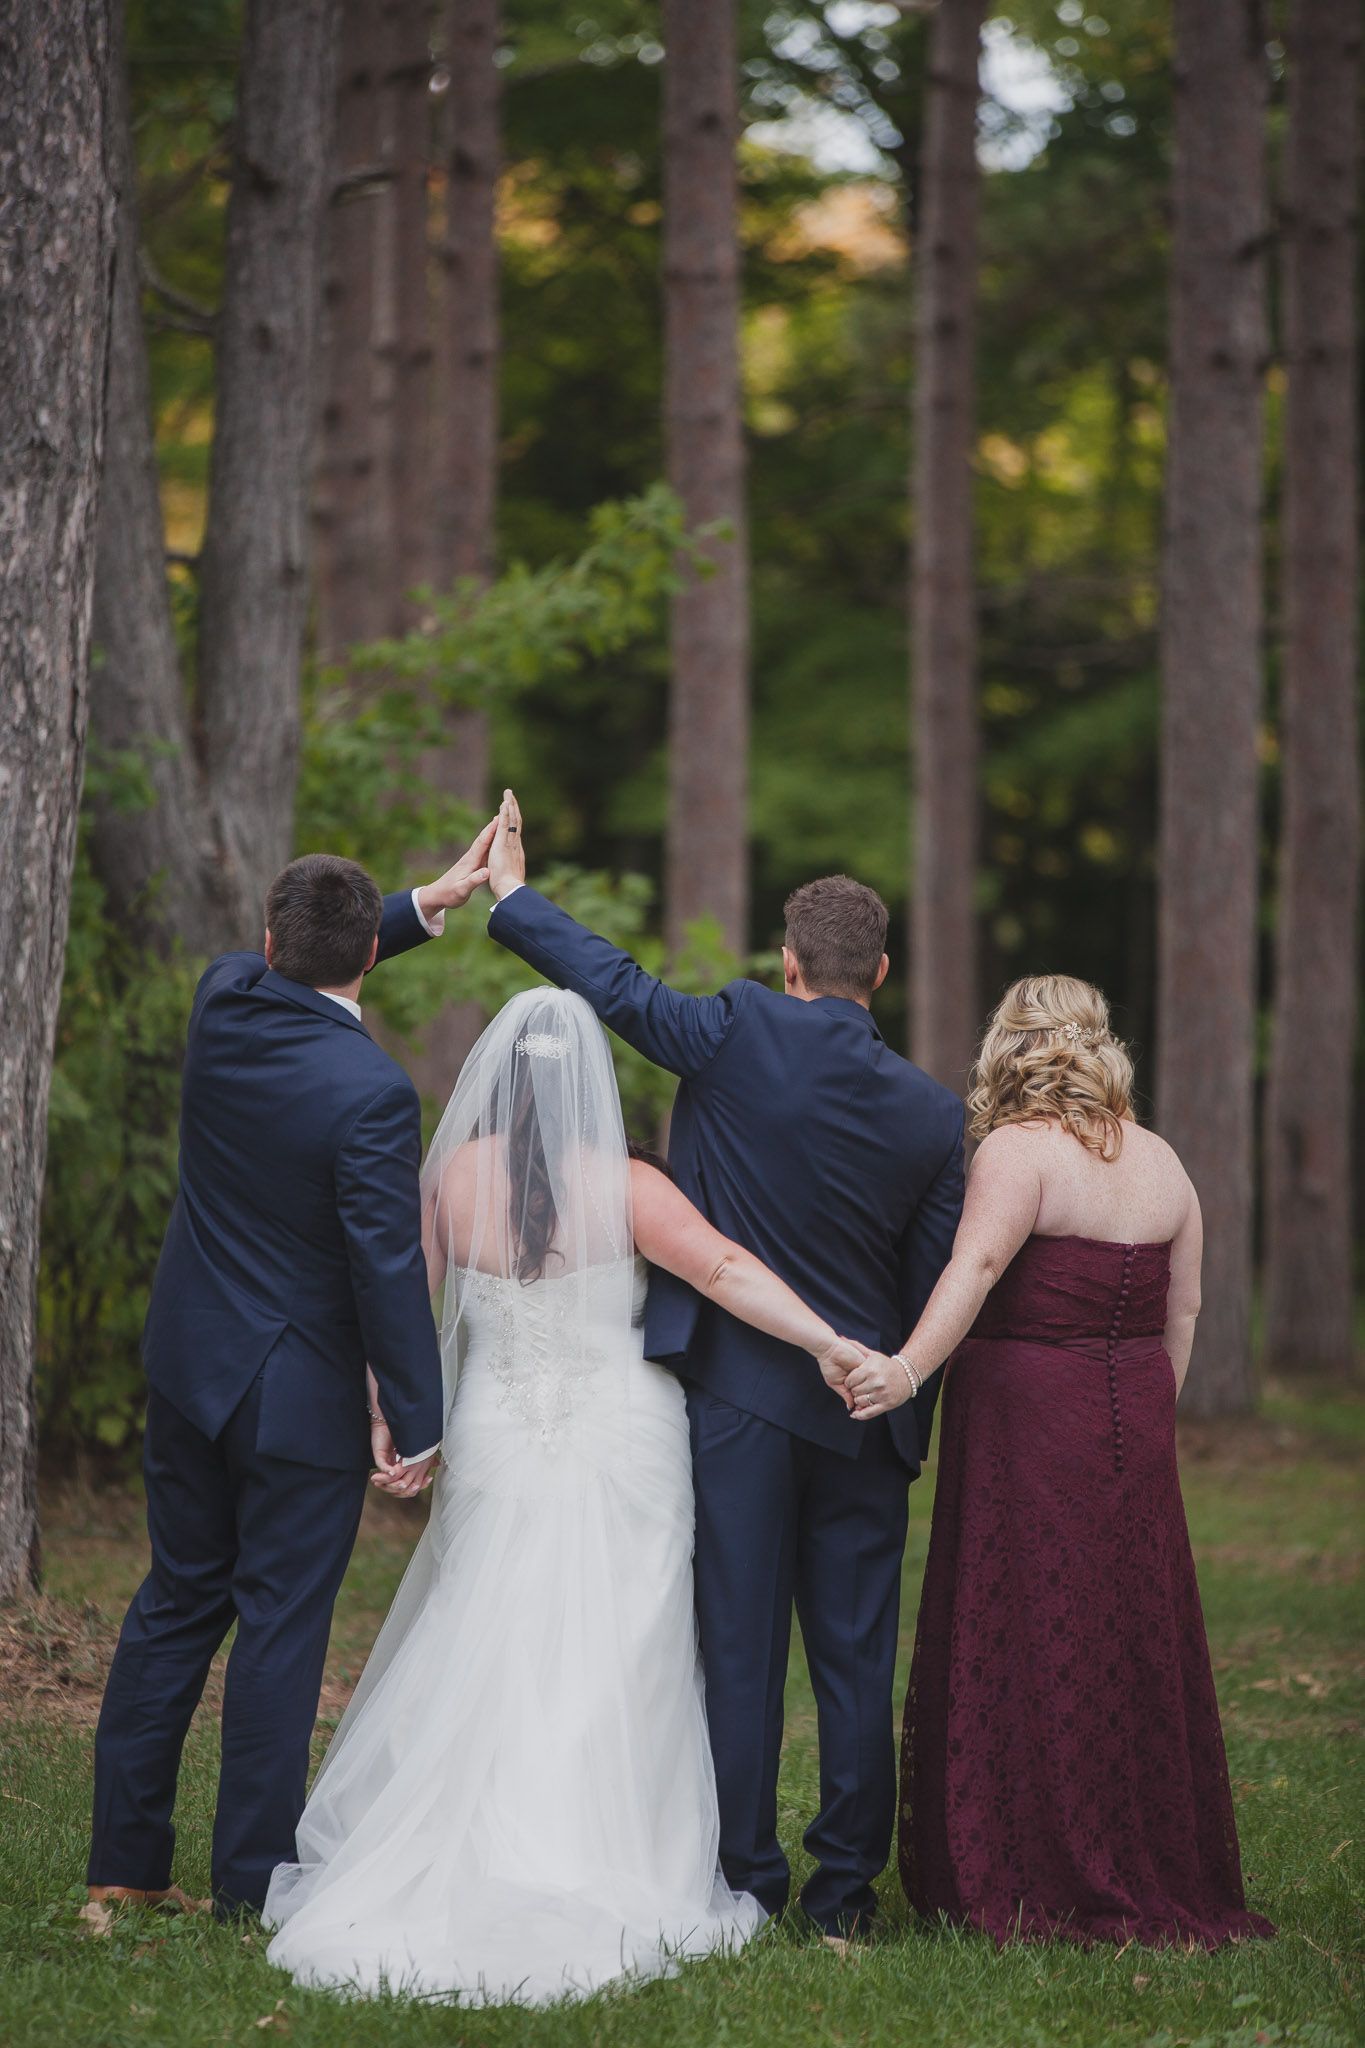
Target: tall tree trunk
x: 57, y: 243
x: 467, y: 345
x: 707, y: 852
x: 406, y: 312
x: 465, y: 417
x: 349, y: 504
x: 254, y: 581
x: 944, y: 741
x: 1210, y: 658
x: 159, y: 864
x: 1308, y: 1126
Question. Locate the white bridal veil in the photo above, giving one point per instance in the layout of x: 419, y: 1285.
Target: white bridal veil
x: 527, y: 1182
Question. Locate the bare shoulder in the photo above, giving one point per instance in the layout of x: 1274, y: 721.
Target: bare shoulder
x: 653, y: 1190
x: 1154, y: 1155
x: 1012, y: 1149
x: 465, y: 1163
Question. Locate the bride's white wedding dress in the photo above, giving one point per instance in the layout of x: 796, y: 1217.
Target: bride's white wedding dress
x: 519, y: 1803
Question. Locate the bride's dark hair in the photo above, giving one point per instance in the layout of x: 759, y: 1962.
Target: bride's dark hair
x: 531, y: 1204
x: 647, y: 1156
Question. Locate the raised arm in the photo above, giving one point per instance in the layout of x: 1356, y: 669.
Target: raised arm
x: 1000, y: 1210
x: 412, y: 916
x: 680, y: 1033
x: 672, y: 1233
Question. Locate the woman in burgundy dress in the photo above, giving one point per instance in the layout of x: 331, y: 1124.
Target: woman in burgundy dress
x: 1063, y: 1770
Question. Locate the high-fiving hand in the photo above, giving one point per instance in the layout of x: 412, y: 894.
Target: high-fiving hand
x: 507, y: 856
x: 455, y: 887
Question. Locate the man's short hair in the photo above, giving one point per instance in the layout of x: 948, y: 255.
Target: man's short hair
x: 323, y: 914
x: 836, y: 927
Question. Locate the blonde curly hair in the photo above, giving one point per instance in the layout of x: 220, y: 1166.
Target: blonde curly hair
x: 1049, y: 1053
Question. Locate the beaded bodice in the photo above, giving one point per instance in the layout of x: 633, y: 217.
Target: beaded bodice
x: 548, y: 1344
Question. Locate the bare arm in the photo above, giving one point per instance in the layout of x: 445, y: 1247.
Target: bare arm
x: 673, y: 1233
x: 1182, y: 1302
x: 1000, y: 1210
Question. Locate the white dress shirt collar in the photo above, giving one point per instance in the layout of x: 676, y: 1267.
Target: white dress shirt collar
x: 343, y: 1002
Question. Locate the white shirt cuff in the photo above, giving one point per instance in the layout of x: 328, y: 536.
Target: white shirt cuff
x: 434, y: 927
x: 503, y: 898
x: 418, y: 1456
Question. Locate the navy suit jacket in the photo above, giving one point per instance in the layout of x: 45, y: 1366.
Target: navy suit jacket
x: 801, y: 1135
x: 295, y: 1240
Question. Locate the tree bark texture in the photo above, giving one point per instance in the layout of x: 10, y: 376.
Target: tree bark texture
x: 406, y: 308
x: 57, y: 243
x: 944, y: 737
x: 463, y: 498
x: 1211, y: 660
x: 707, y: 851
x: 353, y: 540
x: 159, y: 865
x: 254, y: 570
x: 1308, y: 1234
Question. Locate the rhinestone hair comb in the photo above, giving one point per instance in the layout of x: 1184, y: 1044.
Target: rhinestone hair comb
x: 543, y: 1045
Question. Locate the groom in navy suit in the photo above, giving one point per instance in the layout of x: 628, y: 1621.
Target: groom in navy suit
x: 293, y: 1256
x: 805, y: 1138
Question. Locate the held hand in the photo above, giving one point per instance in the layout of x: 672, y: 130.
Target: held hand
x: 459, y: 882
x: 840, y: 1357
x: 405, y: 1482
x: 881, y: 1383
x: 878, y: 1385
x: 382, y: 1448
x: 381, y: 1440
x: 507, y: 858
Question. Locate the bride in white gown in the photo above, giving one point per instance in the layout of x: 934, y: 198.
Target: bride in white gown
x: 519, y: 1803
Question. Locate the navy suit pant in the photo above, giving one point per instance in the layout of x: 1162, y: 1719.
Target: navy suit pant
x: 783, y: 1522
x: 236, y: 1536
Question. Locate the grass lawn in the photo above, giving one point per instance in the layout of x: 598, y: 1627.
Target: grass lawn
x: 1276, y: 1511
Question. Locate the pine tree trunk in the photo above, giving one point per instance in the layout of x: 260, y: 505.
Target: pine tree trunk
x: 463, y: 499
x: 467, y: 335
x: 406, y: 342
x: 707, y: 853
x: 351, y: 530
x: 158, y: 864
x: 254, y: 570
x: 944, y: 742
x: 1210, y: 658
x: 57, y: 244
x: 1308, y: 1124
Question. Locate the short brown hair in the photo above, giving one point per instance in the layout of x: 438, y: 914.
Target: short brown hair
x: 323, y: 914
x: 837, y: 929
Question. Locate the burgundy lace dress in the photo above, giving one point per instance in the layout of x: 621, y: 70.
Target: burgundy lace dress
x: 1063, y: 1770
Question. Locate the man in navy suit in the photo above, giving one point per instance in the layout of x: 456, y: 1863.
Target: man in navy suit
x: 293, y: 1256
x: 802, y: 1136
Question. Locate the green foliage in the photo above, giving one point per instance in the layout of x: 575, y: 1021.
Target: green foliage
x: 111, y: 1172
x: 362, y: 791
x: 534, y: 627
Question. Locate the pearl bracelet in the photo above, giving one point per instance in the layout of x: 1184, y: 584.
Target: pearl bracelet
x: 914, y: 1377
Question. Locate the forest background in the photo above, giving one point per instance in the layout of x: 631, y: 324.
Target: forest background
x: 548, y: 664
